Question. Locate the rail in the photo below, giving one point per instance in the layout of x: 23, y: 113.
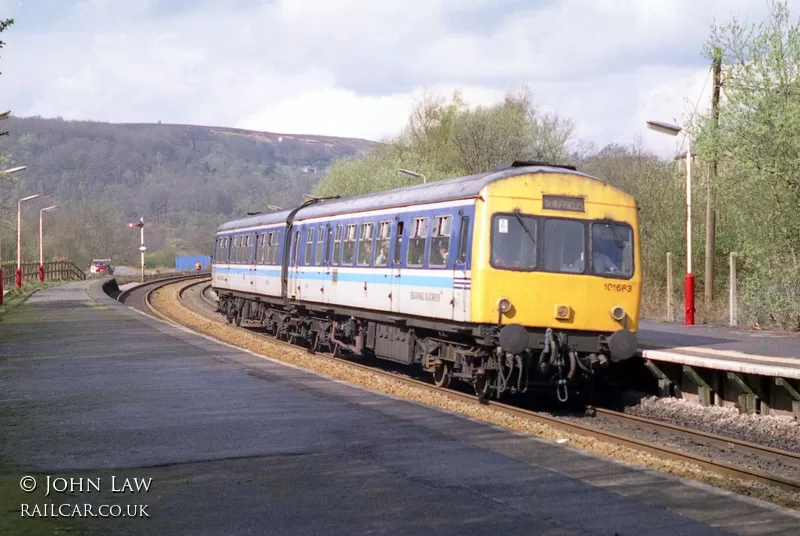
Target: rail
x: 786, y: 458
x: 53, y: 271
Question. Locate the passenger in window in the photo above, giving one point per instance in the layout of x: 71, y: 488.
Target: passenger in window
x: 383, y: 255
x: 442, y: 255
x: 365, y: 253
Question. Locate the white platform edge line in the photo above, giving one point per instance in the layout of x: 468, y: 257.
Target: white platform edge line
x: 723, y: 364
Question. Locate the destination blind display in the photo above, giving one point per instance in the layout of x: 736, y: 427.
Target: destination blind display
x: 560, y: 202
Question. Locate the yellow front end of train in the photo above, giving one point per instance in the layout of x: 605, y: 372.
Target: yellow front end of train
x: 556, y: 250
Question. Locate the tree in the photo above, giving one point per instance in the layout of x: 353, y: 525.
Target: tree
x: 446, y: 139
x: 4, y: 24
x: 758, y: 147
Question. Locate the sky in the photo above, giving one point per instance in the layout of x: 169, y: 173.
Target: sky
x: 355, y: 67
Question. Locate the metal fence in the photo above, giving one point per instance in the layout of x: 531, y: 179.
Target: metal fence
x: 53, y: 271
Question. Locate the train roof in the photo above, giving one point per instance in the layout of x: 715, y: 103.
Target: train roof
x: 432, y: 192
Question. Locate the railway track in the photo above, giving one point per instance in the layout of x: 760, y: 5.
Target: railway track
x: 200, y: 301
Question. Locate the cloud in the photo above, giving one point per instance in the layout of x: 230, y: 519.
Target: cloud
x: 353, y: 67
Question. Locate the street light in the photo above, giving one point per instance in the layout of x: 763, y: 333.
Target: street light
x: 688, y: 284
x: 19, y: 233
x: 41, y: 248
x: 9, y: 171
x: 3, y: 173
x: 413, y: 174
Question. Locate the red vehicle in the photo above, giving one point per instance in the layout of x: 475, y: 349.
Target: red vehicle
x: 101, y: 266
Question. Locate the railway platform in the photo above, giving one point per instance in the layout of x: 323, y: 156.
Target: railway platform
x: 758, y: 370
x: 93, y: 392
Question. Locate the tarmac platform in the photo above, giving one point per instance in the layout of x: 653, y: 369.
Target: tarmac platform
x: 236, y: 443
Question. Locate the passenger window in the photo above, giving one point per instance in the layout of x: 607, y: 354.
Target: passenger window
x: 276, y: 254
x: 365, y: 245
x: 440, y: 242
x: 383, y: 243
x: 563, y: 246
x: 463, y: 236
x: 328, y: 248
x: 318, y: 260
x: 398, y: 243
x: 349, y: 246
x: 417, y: 241
x: 309, y: 245
x: 296, y: 247
x: 337, y: 246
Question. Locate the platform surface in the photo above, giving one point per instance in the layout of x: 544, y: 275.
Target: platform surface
x: 772, y: 353
x: 238, y: 444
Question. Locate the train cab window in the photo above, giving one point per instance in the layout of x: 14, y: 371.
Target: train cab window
x: 440, y: 242
x: 383, y: 243
x: 349, y: 246
x: 309, y: 245
x: 398, y: 242
x: 463, y: 243
x: 365, y: 245
x: 513, y: 242
x: 612, y: 249
x: 417, y: 242
x: 337, y: 246
x: 564, y: 246
x: 320, y: 242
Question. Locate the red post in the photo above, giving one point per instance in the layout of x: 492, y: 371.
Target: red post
x: 41, y: 273
x: 19, y: 277
x: 688, y: 290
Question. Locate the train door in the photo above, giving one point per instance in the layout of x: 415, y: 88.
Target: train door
x: 293, y: 292
x: 395, y: 265
x: 461, y: 274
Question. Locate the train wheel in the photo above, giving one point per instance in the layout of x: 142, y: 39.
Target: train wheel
x: 442, y: 374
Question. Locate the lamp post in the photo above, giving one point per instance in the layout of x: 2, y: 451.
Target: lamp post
x: 688, y: 286
x: 3, y: 173
x: 142, y: 249
x: 19, y: 235
x: 413, y: 174
x: 41, y: 243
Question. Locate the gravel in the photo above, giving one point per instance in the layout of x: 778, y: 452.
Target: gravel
x: 777, y: 432
x: 165, y: 300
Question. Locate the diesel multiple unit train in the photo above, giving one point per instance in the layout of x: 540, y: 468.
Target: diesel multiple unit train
x: 525, y: 278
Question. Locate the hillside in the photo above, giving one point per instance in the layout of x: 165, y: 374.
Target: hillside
x: 182, y: 179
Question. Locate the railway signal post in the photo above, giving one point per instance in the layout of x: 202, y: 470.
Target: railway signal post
x: 142, y: 249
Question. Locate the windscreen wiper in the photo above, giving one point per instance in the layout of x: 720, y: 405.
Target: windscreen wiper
x: 525, y: 227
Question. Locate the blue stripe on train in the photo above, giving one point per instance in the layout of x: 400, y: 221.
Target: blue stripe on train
x: 443, y: 281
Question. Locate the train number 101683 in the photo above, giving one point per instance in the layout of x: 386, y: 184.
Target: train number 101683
x: 618, y: 287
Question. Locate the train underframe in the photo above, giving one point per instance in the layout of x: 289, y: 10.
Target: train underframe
x: 495, y: 360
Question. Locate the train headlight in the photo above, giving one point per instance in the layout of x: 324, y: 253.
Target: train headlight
x: 563, y: 311
x: 504, y: 305
x: 618, y: 313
